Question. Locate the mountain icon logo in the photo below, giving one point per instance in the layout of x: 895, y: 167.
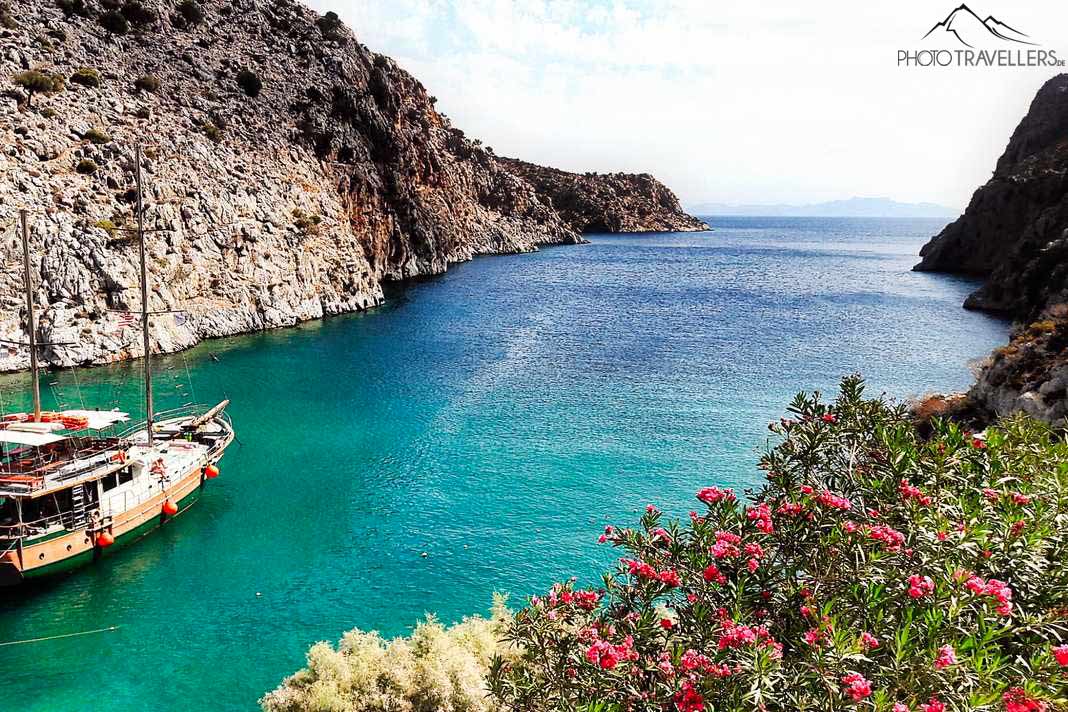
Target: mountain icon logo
x: 970, y: 30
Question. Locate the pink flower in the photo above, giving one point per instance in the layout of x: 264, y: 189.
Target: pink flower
x: 651, y: 509
x: 849, y: 527
x: 909, y: 491
x: 890, y: 537
x: 1017, y: 700
x: 607, y: 656
x: 752, y: 565
x: 761, y: 516
x: 827, y: 417
x: 898, y: 707
x: 1020, y: 499
x: 806, y: 489
x: 687, y: 699
x: 1061, y: 654
x: 946, y: 656
x: 920, y: 586
x: 868, y: 640
x: 833, y: 501
x: 991, y: 494
x: 670, y: 578
x: 712, y: 574
x: 857, y: 687
x: 813, y: 637
x: 712, y: 495
x: 978, y: 444
x: 933, y: 705
x: 666, y: 623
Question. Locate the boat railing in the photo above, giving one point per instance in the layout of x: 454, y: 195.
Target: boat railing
x: 37, y: 526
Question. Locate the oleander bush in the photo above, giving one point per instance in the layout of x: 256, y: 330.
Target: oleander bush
x: 874, y: 571
x: 436, y: 668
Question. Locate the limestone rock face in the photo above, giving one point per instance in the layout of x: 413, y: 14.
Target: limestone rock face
x: 610, y: 202
x: 1015, y: 234
x: 289, y: 171
x: 1015, y: 230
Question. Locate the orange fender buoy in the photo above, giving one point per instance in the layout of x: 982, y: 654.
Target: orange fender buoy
x: 170, y: 508
x: 104, y: 540
x: 211, y: 472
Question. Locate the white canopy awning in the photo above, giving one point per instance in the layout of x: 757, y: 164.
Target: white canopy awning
x: 31, y: 427
x: 31, y: 439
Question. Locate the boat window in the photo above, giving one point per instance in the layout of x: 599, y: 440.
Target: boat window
x: 125, y: 475
x: 110, y: 482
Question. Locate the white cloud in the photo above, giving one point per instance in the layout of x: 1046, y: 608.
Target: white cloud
x: 731, y: 101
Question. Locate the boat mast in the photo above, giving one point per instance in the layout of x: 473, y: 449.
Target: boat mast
x: 144, y: 304
x: 31, y: 327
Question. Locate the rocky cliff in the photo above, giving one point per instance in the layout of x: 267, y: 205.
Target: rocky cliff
x: 1014, y: 234
x: 289, y: 172
x: 608, y: 202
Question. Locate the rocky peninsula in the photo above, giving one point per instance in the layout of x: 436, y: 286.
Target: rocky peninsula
x: 291, y: 171
x: 1014, y: 234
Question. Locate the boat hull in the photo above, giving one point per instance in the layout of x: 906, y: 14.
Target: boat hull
x: 62, y: 552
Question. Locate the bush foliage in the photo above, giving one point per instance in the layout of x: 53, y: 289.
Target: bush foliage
x: 33, y: 82
x: 86, y: 76
x: 875, y: 570
x: 249, y: 82
x: 436, y: 669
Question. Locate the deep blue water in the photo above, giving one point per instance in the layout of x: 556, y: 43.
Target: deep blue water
x: 496, y: 418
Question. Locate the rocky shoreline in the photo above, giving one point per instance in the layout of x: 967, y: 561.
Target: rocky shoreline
x: 290, y: 172
x: 1014, y: 234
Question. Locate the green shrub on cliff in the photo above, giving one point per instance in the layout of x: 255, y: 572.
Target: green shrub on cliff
x: 36, y: 82
x: 86, y: 76
x: 436, y: 668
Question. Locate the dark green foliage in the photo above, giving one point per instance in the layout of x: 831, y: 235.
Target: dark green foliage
x: 114, y: 22
x: 71, y: 8
x: 86, y: 76
x: 212, y: 131
x: 147, y: 83
x: 6, y: 18
x: 249, y: 82
x: 190, y: 12
x: 137, y: 14
x: 36, y: 82
x: 331, y: 27
x: 86, y: 167
x: 96, y: 136
x: 305, y: 223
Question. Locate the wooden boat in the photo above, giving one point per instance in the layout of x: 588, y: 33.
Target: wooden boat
x: 77, y: 484
x: 68, y: 498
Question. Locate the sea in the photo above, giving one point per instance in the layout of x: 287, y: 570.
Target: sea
x: 473, y: 435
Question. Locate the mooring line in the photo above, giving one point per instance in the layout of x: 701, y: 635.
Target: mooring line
x: 64, y: 635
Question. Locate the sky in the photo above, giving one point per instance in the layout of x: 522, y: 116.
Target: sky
x: 736, y: 102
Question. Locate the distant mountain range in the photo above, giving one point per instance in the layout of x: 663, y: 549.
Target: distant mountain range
x: 851, y: 208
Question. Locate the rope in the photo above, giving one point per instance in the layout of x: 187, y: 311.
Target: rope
x: 64, y: 635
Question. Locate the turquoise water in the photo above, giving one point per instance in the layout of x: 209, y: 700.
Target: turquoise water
x: 495, y: 417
